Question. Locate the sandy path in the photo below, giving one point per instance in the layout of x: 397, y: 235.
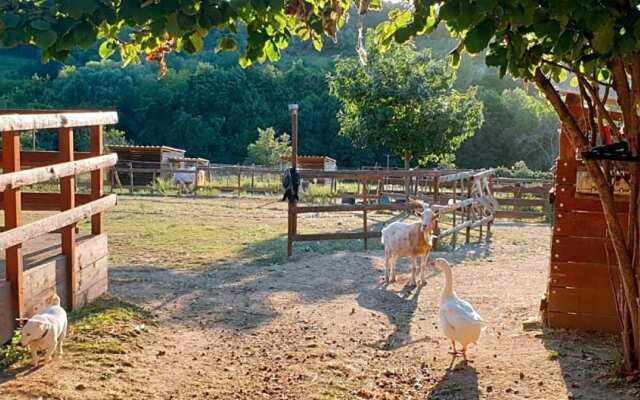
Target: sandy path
x: 323, y: 327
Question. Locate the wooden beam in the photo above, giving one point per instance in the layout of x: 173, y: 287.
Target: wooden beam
x: 54, y: 222
x: 13, y: 219
x: 68, y: 202
x: 97, y: 176
x: 45, y: 174
x: 335, y: 236
x: 24, y: 122
x: 353, y: 208
x: 47, y: 201
x: 42, y: 158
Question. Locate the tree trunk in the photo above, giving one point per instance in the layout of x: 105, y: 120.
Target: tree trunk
x: 624, y: 251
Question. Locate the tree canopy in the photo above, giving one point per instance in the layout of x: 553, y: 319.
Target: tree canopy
x: 404, y: 101
x: 268, y: 149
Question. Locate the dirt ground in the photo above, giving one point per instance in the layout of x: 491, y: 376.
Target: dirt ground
x: 325, y: 327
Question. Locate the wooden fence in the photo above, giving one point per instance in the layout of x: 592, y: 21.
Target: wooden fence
x: 522, y: 198
x: 470, y: 202
x: 75, y: 268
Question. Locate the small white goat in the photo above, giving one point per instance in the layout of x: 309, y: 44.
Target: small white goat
x: 409, y: 240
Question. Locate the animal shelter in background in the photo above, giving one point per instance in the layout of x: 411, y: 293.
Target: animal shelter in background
x: 49, y: 255
x: 583, y: 275
x: 144, y: 160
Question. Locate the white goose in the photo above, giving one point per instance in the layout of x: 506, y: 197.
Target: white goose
x: 458, y: 320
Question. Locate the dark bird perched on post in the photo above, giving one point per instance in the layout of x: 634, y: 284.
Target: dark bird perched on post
x: 290, y: 184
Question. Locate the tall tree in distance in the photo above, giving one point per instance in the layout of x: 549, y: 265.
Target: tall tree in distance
x: 268, y: 149
x: 404, y: 100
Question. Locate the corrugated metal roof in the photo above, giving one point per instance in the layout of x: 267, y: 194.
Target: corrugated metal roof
x: 143, y: 147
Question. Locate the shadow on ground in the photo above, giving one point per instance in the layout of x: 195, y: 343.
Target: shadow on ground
x: 458, y: 382
x: 578, y: 354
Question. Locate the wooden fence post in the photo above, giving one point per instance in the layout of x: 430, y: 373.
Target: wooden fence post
x: 13, y: 219
x: 67, y: 197
x: 97, y: 177
x: 469, y: 186
x: 239, y: 182
x: 130, y: 177
x: 453, y: 197
x: 253, y: 175
x: 494, y: 215
x: 365, y: 200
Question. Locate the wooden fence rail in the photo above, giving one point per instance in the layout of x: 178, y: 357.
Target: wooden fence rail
x: 477, y: 209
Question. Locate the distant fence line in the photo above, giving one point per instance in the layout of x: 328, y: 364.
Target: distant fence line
x: 519, y: 198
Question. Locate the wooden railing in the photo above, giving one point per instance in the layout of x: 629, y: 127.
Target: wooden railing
x: 63, y: 165
x: 473, y: 208
x: 522, y: 198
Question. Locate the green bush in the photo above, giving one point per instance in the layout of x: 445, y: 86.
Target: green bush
x: 520, y: 170
x: 12, y: 352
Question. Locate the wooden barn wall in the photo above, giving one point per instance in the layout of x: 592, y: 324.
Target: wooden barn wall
x: 49, y: 277
x: 583, y: 268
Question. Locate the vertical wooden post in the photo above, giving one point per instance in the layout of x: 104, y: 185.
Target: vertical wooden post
x: 253, y: 175
x: 13, y: 219
x: 436, y: 199
x: 239, y: 182
x: 494, y: 215
x: 292, y: 217
x: 365, y: 200
x: 469, y: 186
x: 97, y: 177
x: 130, y: 177
x: 67, y: 197
x: 453, y: 197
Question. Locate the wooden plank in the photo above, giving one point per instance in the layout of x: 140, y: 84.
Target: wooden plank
x: 566, y: 168
x: 24, y: 122
x: 42, y: 158
x: 519, y: 214
x: 88, y: 295
x: 47, y: 201
x: 583, y: 301
x: 14, y: 180
x: 55, y: 222
x: 334, y: 236
x: 68, y: 197
x: 13, y: 219
x: 361, y: 174
x: 582, y: 275
x: 581, y: 250
x: 88, y: 276
x: 523, y: 202
x: 566, y: 200
x: 580, y: 223
x: 588, y: 322
x: 539, y: 190
x: 40, y: 284
x: 353, y: 208
x: 8, y: 314
x: 97, y: 177
x: 91, y: 249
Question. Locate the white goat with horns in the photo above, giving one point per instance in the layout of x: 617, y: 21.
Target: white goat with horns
x: 409, y: 240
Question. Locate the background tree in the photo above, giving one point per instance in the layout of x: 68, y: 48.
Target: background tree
x: 404, y: 101
x: 268, y: 149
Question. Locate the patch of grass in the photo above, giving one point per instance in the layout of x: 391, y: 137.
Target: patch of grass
x: 12, y: 352
x: 552, y: 355
x: 103, y: 326
x: 335, y: 395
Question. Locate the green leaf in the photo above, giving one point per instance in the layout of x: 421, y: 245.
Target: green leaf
x: 478, y: 38
x: 186, y: 22
x: 45, y: 39
x: 197, y: 42
x: 78, y: 8
x: 564, y: 43
x: 496, y: 57
x: 603, y: 37
x: 244, y: 61
x: 10, y: 19
x: 272, y: 52
x: 403, y: 34
x: 107, y: 48
x: 40, y: 24
x: 574, y: 81
x: 227, y: 43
